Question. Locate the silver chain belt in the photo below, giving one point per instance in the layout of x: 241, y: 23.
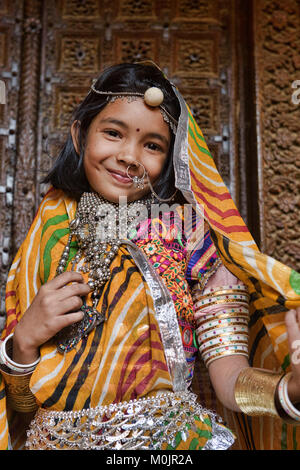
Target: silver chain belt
x: 144, y: 423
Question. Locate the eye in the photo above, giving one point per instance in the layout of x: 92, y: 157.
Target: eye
x: 112, y: 133
x: 155, y: 147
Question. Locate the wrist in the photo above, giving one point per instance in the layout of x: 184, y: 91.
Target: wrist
x: 293, y: 390
x: 23, y: 351
x: 7, y: 360
x: 286, y: 409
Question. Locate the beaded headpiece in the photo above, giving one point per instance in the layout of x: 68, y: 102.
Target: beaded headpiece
x: 153, y: 97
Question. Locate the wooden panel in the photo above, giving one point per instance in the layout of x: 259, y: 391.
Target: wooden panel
x: 67, y: 43
x: 277, y: 29
x: 10, y: 49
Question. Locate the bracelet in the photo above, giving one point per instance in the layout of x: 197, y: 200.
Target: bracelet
x: 222, y: 334
x: 8, y: 362
x: 209, y: 321
x: 18, y: 394
x: 255, y: 392
x: 230, y: 350
x: 290, y: 413
x: 201, y: 304
x: 237, y: 288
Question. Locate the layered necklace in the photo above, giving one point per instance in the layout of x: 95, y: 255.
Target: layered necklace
x: 99, y: 227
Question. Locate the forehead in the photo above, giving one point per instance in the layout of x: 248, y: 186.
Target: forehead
x: 134, y: 113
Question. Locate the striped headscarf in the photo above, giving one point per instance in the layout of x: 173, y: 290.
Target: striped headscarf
x: 274, y: 287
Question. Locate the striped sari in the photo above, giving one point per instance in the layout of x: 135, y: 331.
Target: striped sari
x: 274, y: 288
x: 120, y: 360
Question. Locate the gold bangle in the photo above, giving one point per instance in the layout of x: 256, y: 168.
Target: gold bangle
x: 219, y: 302
x: 199, y: 296
x: 221, y: 320
x: 231, y: 351
x: 255, y: 392
x: 18, y: 394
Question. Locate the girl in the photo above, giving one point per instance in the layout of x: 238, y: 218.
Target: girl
x: 104, y: 325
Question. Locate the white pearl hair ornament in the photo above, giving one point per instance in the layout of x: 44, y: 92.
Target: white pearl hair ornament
x: 153, y: 96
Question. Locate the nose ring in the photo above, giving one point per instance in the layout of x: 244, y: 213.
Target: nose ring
x: 138, y: 181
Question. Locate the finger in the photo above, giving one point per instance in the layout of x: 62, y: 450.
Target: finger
x: 293, y: 331
x: 292, y: 324
x: 69, y: 319
x: 77, y: 289
x: 71, y: 304
x: 65, y: 278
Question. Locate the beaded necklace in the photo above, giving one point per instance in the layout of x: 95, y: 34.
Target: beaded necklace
x: 100, y: 227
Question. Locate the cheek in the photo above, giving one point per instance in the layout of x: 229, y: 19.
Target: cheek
x: 155, y: 168
x: 96, y: 151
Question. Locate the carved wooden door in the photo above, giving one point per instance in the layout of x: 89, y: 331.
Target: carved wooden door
x: 214, y: 50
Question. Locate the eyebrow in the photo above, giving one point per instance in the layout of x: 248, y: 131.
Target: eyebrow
x: 151, y: 135
x: 115, y: 121
x: 155, y: 135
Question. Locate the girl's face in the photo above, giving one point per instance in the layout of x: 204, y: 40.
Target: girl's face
x: 125, y: 134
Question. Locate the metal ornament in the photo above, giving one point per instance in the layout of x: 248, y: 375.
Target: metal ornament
x: 138, y: 181
x: 96, y: 227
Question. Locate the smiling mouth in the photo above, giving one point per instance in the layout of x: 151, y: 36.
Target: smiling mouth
x: 120, y: 176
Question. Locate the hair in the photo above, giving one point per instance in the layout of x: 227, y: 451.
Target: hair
x: 68, y: 172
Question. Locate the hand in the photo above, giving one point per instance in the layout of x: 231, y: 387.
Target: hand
x: 292, y: 321
x: 55, y: 306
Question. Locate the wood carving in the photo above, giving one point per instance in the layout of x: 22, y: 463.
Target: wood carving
x: 278, y: 65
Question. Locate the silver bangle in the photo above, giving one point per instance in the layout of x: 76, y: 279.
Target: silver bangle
x: 8, y: 362
x: 284, y: 400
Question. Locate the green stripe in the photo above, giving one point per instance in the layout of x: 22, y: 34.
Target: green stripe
x: 73, y: 251
x: 192, y: 120
x: 204, y: 433
x: 194, y: 444
x: 178, y: 439
x: 295, y: 281
x: 204, y: 150
x: 286, y: 362
x: 54, y: 221
x: 53, y: 240
x: 295, y: 444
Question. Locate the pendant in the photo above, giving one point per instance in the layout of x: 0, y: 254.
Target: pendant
x: 69, y: 337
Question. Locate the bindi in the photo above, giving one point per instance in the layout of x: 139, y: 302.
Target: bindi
x: 138, y: 130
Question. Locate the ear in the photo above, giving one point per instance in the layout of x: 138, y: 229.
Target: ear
x: 74, y: 133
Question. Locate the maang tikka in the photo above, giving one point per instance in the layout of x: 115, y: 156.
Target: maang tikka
x: 153, y: 97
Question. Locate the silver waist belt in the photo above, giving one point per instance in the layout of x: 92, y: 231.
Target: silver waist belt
x: 144, y: 423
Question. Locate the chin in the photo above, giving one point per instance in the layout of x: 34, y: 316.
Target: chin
x: 113, y: 196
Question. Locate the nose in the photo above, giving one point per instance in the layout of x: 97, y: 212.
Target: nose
x: 129, y: 155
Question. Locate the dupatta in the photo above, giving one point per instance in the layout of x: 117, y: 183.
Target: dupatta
x: 274, y: 288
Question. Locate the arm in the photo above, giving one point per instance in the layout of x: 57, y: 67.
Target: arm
x: 223, y: 374
x: 225, y: 322
x: 55, y: 306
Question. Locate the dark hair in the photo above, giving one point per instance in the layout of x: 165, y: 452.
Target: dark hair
x: 68, y: 172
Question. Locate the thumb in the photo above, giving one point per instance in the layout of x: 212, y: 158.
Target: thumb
x: 293, y: 330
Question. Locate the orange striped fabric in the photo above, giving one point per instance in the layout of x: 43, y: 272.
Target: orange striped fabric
x: 120, y: 360
x: 274, y: 288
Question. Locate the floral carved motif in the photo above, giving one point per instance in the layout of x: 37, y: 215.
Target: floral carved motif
x: 278, y: 65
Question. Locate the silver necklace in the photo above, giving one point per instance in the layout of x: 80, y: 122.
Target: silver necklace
x: 97, y: 227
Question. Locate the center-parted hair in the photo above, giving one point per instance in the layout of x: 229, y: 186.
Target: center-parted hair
x: 68, y: 172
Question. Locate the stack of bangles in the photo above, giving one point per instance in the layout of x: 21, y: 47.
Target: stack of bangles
x: 16, y: 377
x: 222, y: 316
